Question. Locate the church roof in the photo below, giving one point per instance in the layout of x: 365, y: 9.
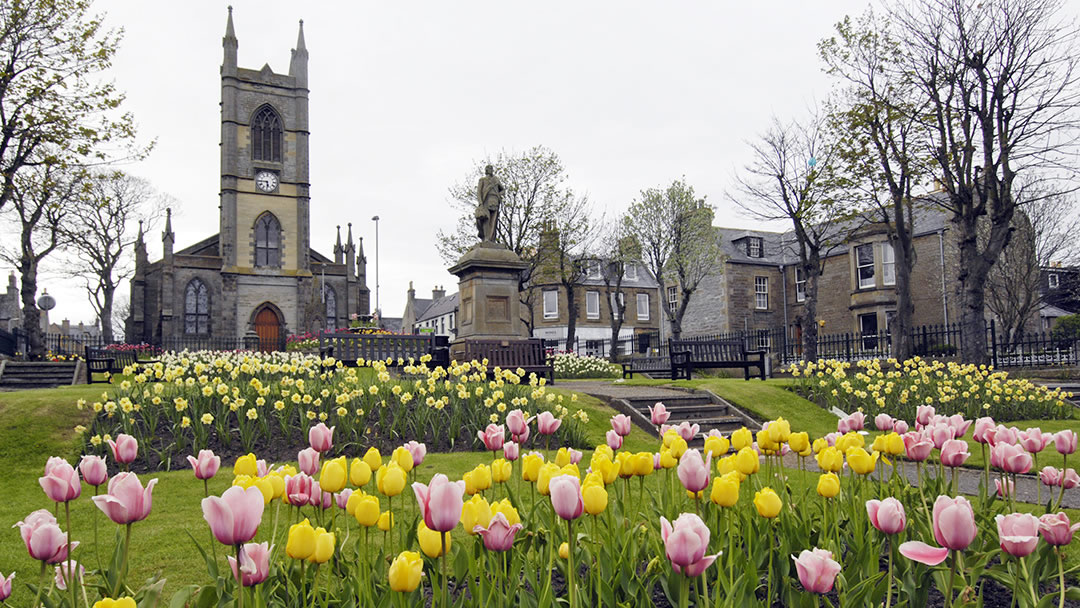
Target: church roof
x: 207, y: 246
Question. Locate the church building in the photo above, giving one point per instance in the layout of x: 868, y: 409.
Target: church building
x: 258, y: 280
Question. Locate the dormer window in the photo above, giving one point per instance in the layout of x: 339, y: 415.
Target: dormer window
x: 631, y: 272
x: 1052, y: 280
x: 754, y: 247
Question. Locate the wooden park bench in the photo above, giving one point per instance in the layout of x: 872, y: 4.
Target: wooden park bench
x: 112, y: 362
x: 353, y: 348
x: 717, y: 354
x: 528, y: 354
x: 656, y: 366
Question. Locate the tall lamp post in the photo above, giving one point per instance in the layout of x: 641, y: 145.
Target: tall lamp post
x: 378, y: 313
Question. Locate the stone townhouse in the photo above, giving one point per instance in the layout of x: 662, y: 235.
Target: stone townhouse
x: 437, y: 315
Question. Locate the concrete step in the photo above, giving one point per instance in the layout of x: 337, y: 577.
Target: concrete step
x: 694, y: 412
x: 671, y: 401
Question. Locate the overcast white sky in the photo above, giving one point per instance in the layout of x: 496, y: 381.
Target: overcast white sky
x: 407, y: 96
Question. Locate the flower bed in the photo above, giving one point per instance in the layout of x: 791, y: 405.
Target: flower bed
x: 239, y: 402
x: 573, y: 365
x: 897, y: 389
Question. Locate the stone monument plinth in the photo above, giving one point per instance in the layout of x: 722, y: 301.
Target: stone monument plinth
x: 488, y: 303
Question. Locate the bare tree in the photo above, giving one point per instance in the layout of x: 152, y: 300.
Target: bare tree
x: 791, y: 177
x: 617, y: 250
x: 1000, y: 83
x: 678, y: 241
x: 101, y: 234
x: 565, y: 241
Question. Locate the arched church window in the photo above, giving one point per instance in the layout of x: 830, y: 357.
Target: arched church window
x: 267, y: 240
x: 331, y: 308
x: 196, y: 308
x: 266, y: 135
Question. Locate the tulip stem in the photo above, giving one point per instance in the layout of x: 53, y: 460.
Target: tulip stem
x: 314, y: 586
x: 1061, y: 496
x: 41, y: 584
x: 571, y: 569
x: 123, y: 563
x: 952, y: 578
x: 888, y: 588
x: 69, y: 575
x: 768, y: 573
x: 445, y: 596
x: 97, y: 549
x: 1061, y: 579
x: 684, y: 594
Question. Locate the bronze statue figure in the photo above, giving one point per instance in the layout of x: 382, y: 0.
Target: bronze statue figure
x: 489, y: 192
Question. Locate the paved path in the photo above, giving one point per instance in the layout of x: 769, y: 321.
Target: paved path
x: 968, y: 479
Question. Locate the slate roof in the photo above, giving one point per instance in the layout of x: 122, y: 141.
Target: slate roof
x: 391, y: 324
x: 420, y: 306
x: 442, y: 306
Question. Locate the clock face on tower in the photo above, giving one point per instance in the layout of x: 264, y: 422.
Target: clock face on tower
x: 267, y: 181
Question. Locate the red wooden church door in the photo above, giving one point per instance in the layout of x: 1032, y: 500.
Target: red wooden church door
x: 268, y: 329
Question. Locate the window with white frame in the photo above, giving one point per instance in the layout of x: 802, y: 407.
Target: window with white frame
x: 618, y: 300
x: 452, y: 326
x: 672, y: 298
x: 643, y: 307
x: 800, y: 285
x: 888, y: 264
x: 763, y: 339
x: 630, y: 272
x: 592, y: 304
x: 594, y: 269
x: 761, y: 293
x: 864, y: 265
x: 1052, y: 280
x: 551, y: 304
x: 754, y: 246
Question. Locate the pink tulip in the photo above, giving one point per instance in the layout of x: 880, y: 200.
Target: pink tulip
x: 887, y: 515
x: 342, y: 497
x: 923, y: 553
x: 620, y: 423
x: 923, y: 414
x: 954, y: 523
x: 206, y: 465
x: 499, y: 534
x: 575, y: 455
x: 656, y: 462
x: 614, y: 440
x: 493, y: 437
x: 1004, y: 434
x: 941, y: 433
x: 817, y: 570
x: 522, y: 438
x: 1070, y: 479
x: 323, y: 500
x: 418, y: 451
x: 1065, y: 442
x: 1018, y: 533
x: 127, y: 502
x: 843, y: 426
x: 658, y: 413
x: 900, y: 427
x: 94, y: 470
x: 125, y: 449
x: 62, y: 483
x: 440, y: 502
x: 234, y: 517
x: 917, y: 448
x: 298, y: 489
x: 261, y: 468
x: 511, y: 451
x: 547, y: 423
x: 308, y: 459
x: 44, y: 539
x: 884, y: 422
x: 516, y: 423
x: 5, y: 586
x: 688, y: 431
x: 1004, y: 491
x: 693, y: 471
x: 1056, y: 530
x: 1050, y: 476
x: 685, y: 542
x: 566, y: 497
x: 254, y: 564
x: 53, y: 461
x: 321, y: 437
x: 1034, y: 440
x: 68, y: 570
x: 832, y: 437
x: 954, y: 452
x: 857, y: 421
x: 959, y: 425
x: 982, y: 427
x: 1011, y: 458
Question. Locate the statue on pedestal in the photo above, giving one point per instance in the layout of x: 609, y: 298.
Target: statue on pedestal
x: 489, y: 193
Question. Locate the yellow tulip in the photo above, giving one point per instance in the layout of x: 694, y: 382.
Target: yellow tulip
x: 741, y: 438
x: 564, y: 551
x: 301, y: 543
x: 607, y: 469
x: 324, y: 547
x: 779, y: 430
x: 596, y: 498
x: 500, y: 470
x: 799, y: 443
x: 333, y: 476
x: 286, y: 470
x: 124, y: 602
x: 669, y: 437
x: 593, y: 477
x: 482, y: 477
x: 505, y: 507
x: 277, y: 482
x: 861, y: 462
x: 765, y: 442
x: 746, y: 461
x: 626, y: 464
x: 602, y: 450
x: 820, y: 444
x: 880, y: 442
x: 562, y: 457
x: 725, y: 490
x: 572, y: 470
x: 530, y: 466
x: 850, y: 440
x: 547, y: 471
x: 894, y: 444
x: 475, y: 512
x: 667, y: 459
x: 717, y: 445
x: 830, y: 459
x: 390, y: 479
x: 386, y: 521
x: 403, y: 457
x: 366, y: 509
x: 642, y: 463
x: 768, y: 503
x: 373, y: 458
x: 695, y: 495
x: 405, y: 572
x: 678, y: 447
x: 828, y: 485
x: 246, y: 465
x: 429, y: 540
x: 726, y: 465
x: 359, y: 473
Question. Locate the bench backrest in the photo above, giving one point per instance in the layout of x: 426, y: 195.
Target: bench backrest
x: 371, y: 347
x: 121, y: 358
x: 507, y: 354
x: 711, y: 350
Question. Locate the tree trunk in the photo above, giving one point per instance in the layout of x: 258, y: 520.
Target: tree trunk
x: 810, y: 322
x: 35, y: 343
x: 571, y: 316
x: 901, y: 326
x: 107, y: 313
x: 676, y: 319
x: 972, y: 276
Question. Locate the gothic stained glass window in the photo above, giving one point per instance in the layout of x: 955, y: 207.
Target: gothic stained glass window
x: 266, y: 135
x: 196, y: 308
x: 331, y: 308
x: 267, y: 240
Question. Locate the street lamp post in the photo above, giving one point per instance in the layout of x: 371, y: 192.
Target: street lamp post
x: 378, y: 313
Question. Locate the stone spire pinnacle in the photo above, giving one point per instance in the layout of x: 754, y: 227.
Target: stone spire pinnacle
x: 300, y: 46
x: 229, y: 43
x: 338, y: 250
x: 298, y: 64
x: 230, y: 33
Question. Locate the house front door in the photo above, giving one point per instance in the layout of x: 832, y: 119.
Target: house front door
x: 268, y: 328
